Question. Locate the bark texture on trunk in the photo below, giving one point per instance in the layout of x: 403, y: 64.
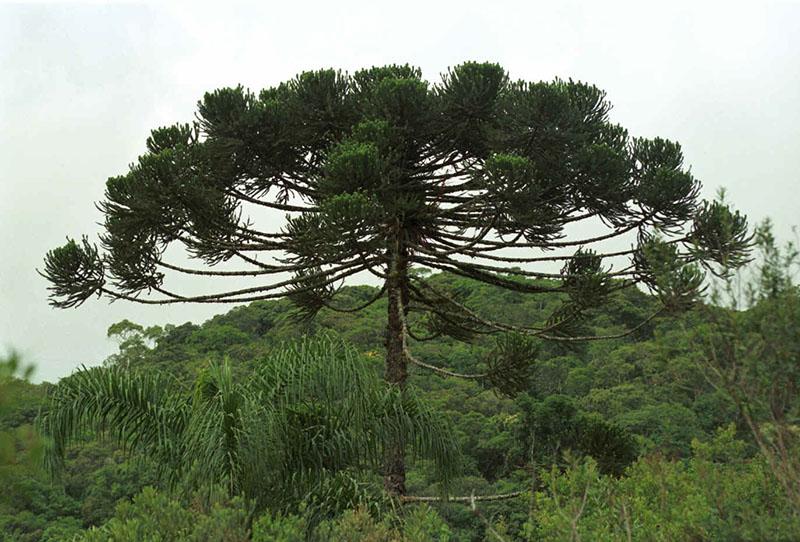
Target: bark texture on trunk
x: 394, y: 466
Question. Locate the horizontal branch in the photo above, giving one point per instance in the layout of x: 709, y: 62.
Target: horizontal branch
x: 464, y: 499
x: 489, y: 278
x: 473, y: 317
x: 279, y: 206
x: 443, y: 372
x: 362, y: 306
x: 211, y: 299
x: 270, y: 287
x: 265, y: 270
x: 604, y: 337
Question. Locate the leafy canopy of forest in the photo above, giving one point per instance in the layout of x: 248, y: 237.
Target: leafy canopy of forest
x: 684, y: 430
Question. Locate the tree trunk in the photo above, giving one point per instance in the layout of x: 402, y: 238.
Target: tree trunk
x: 394, y: 466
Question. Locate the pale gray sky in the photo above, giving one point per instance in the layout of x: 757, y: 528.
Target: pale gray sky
x: 81, y: 85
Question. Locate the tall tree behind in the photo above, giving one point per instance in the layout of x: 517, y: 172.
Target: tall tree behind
x: 380, y: 171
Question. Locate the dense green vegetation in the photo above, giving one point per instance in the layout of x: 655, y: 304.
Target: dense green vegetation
x: 682, y: 431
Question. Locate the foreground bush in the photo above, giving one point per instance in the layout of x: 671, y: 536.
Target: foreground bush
x: 716, y: 495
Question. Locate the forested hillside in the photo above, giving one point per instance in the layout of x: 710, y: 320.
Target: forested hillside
x: 683, y: 430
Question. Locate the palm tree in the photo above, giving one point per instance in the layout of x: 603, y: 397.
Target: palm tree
x: 308, y: 424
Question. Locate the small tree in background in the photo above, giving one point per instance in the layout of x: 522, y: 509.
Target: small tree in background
x: 384, y: 173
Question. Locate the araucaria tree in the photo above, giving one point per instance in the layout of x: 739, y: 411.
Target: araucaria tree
x: 381, y: 172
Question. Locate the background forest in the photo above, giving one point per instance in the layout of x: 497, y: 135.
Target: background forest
x: 684, y: 430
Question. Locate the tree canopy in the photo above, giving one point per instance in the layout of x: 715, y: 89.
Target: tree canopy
x: 360, y: 161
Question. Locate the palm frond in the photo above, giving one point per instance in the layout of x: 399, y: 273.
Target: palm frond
x: 143, y: 412
x: 311, y: 413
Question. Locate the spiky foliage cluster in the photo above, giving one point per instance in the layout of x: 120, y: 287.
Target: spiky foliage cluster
x: 306, y: 426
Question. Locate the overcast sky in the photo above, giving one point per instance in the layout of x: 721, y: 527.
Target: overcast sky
x: 81, y: 86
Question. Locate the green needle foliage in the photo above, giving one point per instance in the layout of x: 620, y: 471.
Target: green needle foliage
x: 309, y: 425
x: 381, y: 172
